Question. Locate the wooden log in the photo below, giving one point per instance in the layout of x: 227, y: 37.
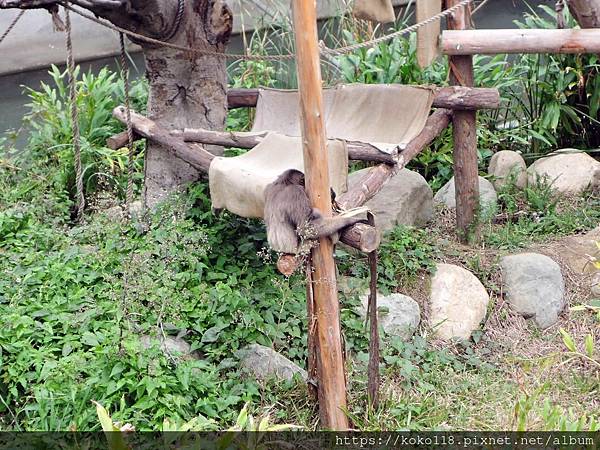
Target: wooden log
x: 357, y: 151
x: 120, y: 140
x: 465, y: 135
x: 493, y: 42
x: 363, y: 238
x: 453, y: 97
x: 194, y: 155
x: 332, y: 379
x: 372, y: 182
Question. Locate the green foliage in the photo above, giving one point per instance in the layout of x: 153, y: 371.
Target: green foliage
x: 75, y: 301
x: 550, y: 417
x: 539, y: 211
x: 50, y: 140
x: 406, y: 253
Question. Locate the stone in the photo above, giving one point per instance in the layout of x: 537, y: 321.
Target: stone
x: 487, y: 195
x: 265, y: 363
x: 577, y: 251
x: 398, y: 315
x: 506, y: 164
x: 406, y: 199
x: 596, y: 285
x: 534, y: 287
x: 459, y: 302
x: 170, y: 346
x: 570, y: 171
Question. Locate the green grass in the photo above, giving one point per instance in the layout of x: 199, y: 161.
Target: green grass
x: 537, y: 213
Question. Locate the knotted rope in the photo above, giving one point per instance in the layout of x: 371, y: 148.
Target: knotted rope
x: 74, y: 118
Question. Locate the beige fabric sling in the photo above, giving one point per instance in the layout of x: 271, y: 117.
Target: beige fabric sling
x: 386, y: 116
x: 428, y: 48
x: 381, y: 11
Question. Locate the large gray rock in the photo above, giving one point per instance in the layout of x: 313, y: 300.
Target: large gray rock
x: 406, y: 199
x: 398, y: 315
x: 506, y: 164
x: 534, y: 287
x: 487, y: 195
x: 265, y: 363
x: 459, y: 302
x: 569, y: 170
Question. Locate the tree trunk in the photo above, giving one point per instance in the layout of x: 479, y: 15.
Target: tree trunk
x: 187, y: 90
x: 586, y: 12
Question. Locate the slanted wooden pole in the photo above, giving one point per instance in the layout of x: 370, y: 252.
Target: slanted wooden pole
x: 330, y: 361
x: 465, y: 136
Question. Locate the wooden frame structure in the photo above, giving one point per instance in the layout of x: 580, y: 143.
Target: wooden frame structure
x: 457, y: 104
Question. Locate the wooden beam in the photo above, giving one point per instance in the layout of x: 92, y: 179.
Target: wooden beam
x: 330, y: 360
x: 465, y: 134
x: 493, y: 42
x: 357, y: 151
x: 194, y: 155
x: 374, y: 180
x: 453, y: 97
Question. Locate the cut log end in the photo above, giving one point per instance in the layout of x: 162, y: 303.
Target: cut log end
x: 288, y: 264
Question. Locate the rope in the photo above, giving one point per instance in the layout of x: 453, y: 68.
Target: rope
x: 338, y: 51
x: 412, y: 28
x: 12, y: 25
x: 560, y: 14
x: 130, y: 149
x: 141, y: 38
x: 74, y: 118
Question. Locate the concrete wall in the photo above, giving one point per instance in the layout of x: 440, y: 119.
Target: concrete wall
x: 33, y: 44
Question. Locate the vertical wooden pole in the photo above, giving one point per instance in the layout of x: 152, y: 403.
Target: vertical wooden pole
x: 330, y: 361
x: 465, y: 136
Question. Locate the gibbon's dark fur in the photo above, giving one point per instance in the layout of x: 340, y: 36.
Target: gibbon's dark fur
x: 288, y: 214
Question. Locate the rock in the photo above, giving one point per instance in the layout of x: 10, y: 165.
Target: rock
x: 569, y: 173
x: 406, y: 199
x: 459, y: 302
x: 534, y: 287
x: 596, y: 285
x: 265, y: 363
x: 114, y: 213
x: 171, y: 347
x: 398, y: 315
x: 351, y: 286
x: 487, y: 195
x: 576, y: 251
x: 505, y: 163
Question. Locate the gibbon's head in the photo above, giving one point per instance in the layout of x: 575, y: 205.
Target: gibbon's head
x: 291, y: 177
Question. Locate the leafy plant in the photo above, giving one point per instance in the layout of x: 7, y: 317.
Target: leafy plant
x: 50, y: 140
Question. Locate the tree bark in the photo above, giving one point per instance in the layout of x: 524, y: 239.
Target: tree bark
x: 187, y: 89
x: 586, y: 12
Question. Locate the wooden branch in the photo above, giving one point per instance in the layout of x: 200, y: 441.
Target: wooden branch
x: 330, y: 358
x: 121, y: 140
x: 372, y: 182
x: 453, y: 97
x: 491, y: 42
x: 194, y: 155
x: 465, y: 133
x: 357, y: 151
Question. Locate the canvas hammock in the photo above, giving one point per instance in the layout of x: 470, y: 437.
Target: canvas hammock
x: 381, y: 11
x: 385, y: 116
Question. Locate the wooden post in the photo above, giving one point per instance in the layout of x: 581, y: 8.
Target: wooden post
x: 465, y: 136
x: 330, y: 361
